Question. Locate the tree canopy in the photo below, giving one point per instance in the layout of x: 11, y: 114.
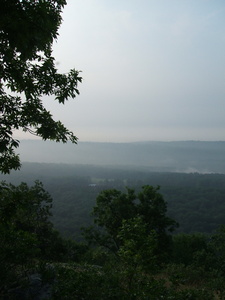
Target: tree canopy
x: 28, y: 72
x: 118, y: 215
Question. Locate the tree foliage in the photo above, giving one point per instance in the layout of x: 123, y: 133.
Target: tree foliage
x: 25, y: 211
x: 25, y: 229
x: 29, y: 244
x: 118, y: 216
x: 28, y: 72
x: 139, y: 245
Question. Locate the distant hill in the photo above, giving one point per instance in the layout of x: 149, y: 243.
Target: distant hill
x: 186, y: 156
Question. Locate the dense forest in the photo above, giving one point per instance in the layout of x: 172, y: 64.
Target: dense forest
x: 195, y: 201
x: 94, y: 232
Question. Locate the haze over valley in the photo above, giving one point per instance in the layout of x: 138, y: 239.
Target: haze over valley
x: 179, y: 156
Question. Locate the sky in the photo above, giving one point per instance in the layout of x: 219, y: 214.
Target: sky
x: 152, y: 69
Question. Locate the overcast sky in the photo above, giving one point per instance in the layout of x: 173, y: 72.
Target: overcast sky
x: 152, y: 69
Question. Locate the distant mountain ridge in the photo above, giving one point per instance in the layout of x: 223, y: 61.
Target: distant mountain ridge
x: 179, y: 156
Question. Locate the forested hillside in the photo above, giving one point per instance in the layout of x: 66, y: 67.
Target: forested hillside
x: 130, y: 248
x: 195, y: 201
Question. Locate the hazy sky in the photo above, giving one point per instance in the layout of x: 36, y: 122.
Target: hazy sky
x: 152, y: 69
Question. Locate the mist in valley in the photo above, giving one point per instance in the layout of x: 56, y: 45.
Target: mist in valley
x: 179, y: 156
